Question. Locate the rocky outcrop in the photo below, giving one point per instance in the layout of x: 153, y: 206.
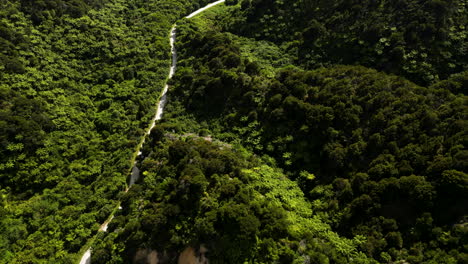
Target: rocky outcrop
x: 146, y: 256
x: 194, y: 256
x: 190, y: 255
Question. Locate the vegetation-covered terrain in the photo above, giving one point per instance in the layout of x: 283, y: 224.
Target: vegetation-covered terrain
x: 377, y: 155
x: 196, y: 191
x: 296, y: 131
x: 78, y: 84
x: 423, y: 41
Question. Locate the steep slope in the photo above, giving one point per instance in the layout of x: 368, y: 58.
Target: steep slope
x: 196, y: 191
x: 381, y: 162
x: 377, y: 155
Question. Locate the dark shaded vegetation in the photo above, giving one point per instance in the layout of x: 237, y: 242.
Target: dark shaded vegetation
x: 424, y: 41
x: 388, y: 157
x: 198, y: 192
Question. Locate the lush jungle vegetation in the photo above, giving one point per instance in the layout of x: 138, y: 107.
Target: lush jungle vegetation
x: 376, y: 155
x: 423, y: 41
x: 198, y: 191
x: 78, y: 85
x: 296, y: 131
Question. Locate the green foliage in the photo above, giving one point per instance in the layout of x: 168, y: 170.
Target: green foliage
x: 198, y: 192
x: 382, y: 149
x: 424, y: 41
x: 78, y: 85
x: 382, y: 160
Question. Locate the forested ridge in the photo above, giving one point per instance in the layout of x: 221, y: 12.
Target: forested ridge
x: 199, y: 191
x: 295, y: 132
x: 379, y: 156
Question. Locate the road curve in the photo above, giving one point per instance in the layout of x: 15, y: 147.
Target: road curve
x: 204, y: 8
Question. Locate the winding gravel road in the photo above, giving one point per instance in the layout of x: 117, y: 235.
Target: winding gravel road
x: 86, y: 259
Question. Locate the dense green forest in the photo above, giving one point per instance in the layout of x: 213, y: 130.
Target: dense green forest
x: 423, y: 41
x: 78, y: 84
x: 302, y: 131
x: 198, y: 191
x: 377, y: 155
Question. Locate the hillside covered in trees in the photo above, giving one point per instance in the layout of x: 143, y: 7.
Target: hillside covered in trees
x: 423, y: 41
x: 78, y: 84
x: 377, y: 155
x: 196, y: 191
x: 296, y: 131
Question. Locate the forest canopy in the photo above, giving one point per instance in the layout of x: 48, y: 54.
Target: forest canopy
x: 197, y: 192
x: 423, y: 41
x: 295, y: 132
x: 377, y: 155
x: 78, y: 85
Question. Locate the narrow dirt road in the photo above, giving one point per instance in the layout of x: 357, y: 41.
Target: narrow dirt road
x: 86, y: 259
